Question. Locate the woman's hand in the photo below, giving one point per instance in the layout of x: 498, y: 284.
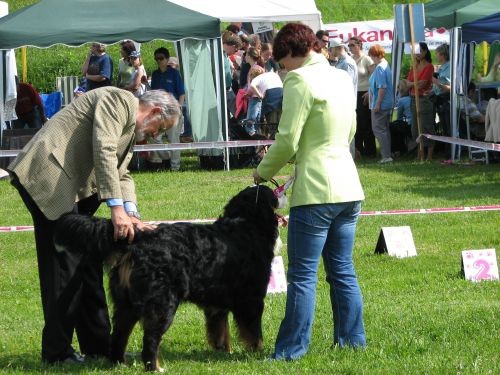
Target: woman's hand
x: 256, y: 178
x: 365, y: 98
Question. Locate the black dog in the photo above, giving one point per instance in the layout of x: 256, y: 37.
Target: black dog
x: 222, y: 267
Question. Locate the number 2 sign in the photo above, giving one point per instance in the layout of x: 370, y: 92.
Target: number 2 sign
x: 480, y: 265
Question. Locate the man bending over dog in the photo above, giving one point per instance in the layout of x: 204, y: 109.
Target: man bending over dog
x: 76, y: 161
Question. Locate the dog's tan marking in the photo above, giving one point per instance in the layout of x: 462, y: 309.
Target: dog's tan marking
x: 125, y: 265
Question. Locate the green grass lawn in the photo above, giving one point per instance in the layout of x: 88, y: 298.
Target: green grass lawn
x: 421, y: 316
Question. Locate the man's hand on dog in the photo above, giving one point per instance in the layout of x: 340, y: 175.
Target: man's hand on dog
x: 139, y: 225
x: 122, y: 223
x: 125, y: 225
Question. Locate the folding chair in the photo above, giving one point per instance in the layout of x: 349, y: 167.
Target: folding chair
x: 67, y: 86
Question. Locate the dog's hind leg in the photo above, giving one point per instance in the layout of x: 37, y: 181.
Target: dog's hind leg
x: 217, y: 326
x: 124, y: 320
x: 156, y: 320
x: 248, y: 318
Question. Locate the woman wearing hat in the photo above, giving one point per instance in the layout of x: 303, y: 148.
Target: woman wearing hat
x: 136, y: 85
x: 125, y: 70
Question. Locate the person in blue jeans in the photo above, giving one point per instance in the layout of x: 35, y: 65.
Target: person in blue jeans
x: 254, y: 102
x: 317, y: 125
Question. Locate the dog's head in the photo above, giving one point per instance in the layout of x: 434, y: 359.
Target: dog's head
x: 257, y: 202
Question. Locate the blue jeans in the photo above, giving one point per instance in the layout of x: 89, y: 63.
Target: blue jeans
x: 326, y: 230
x: 253, y: 115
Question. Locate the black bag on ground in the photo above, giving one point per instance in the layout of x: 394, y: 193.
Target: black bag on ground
x: 400, y: 135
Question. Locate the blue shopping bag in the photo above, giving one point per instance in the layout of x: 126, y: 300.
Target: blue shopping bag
x: 51, y: 103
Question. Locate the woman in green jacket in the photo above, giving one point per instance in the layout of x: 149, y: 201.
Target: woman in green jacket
x: 316, y: 128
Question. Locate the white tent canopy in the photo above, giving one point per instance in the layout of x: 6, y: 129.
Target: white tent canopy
x: 304, y: 11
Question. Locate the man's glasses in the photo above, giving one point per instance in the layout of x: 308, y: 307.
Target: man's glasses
x: 326, y: 41
x: 159, y: 58
x: 351, y: 45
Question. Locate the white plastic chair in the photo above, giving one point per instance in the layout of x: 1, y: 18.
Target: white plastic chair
x: 67, y: 86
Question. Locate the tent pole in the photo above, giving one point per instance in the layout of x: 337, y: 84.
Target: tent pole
x: 24, y: 60
x: 415, y: 82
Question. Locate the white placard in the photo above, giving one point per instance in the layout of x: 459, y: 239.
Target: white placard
x: 262, y: 27
x: 277, y: 281
x: 480, y: 264
x: 397, y: 242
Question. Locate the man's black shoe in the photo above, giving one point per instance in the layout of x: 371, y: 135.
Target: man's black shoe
x: 75, y: 358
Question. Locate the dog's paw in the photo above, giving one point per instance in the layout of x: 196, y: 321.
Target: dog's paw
x: 149, y: 366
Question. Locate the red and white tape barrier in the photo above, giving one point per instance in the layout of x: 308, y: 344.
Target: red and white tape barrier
x: 464, y: 142
x: 267, y: 142
x: 440, y: 210
x: 178, y: 146
x: 416, y: 211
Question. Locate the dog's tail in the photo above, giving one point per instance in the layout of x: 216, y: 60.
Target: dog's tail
x: 84, y: 234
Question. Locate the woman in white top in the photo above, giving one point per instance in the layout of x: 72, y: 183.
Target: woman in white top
x: 269, y: 88
x: 364, y: 138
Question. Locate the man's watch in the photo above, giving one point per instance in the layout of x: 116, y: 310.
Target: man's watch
x: 134, y: 214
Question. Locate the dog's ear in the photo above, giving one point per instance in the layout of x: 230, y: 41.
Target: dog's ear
x: 267, y: 197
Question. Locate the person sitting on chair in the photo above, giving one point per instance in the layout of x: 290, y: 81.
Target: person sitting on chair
x: 476, y: 118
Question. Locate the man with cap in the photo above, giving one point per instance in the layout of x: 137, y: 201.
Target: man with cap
x: 338, y: 50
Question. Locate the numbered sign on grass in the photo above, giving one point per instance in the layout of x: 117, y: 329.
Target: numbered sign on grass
x: 396, y: 241
x: 480, y: 265
x: 277, y: 281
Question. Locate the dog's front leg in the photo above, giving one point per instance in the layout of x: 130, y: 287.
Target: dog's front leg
x: 248, y: 318
x: 217, y: 326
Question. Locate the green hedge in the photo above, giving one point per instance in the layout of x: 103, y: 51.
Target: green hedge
x: 45, y: 64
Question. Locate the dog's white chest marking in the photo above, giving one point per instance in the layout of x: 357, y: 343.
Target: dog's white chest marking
x: 277, y: 245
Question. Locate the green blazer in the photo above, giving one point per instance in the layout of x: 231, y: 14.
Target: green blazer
x: 316, y: 127
x: 82, y: 150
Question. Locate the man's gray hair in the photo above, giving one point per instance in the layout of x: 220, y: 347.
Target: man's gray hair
x: 160, y: 98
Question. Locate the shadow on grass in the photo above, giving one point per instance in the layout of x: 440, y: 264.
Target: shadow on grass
x: 31, y: 363
x: 455, y: 275
x: 208, y: 356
